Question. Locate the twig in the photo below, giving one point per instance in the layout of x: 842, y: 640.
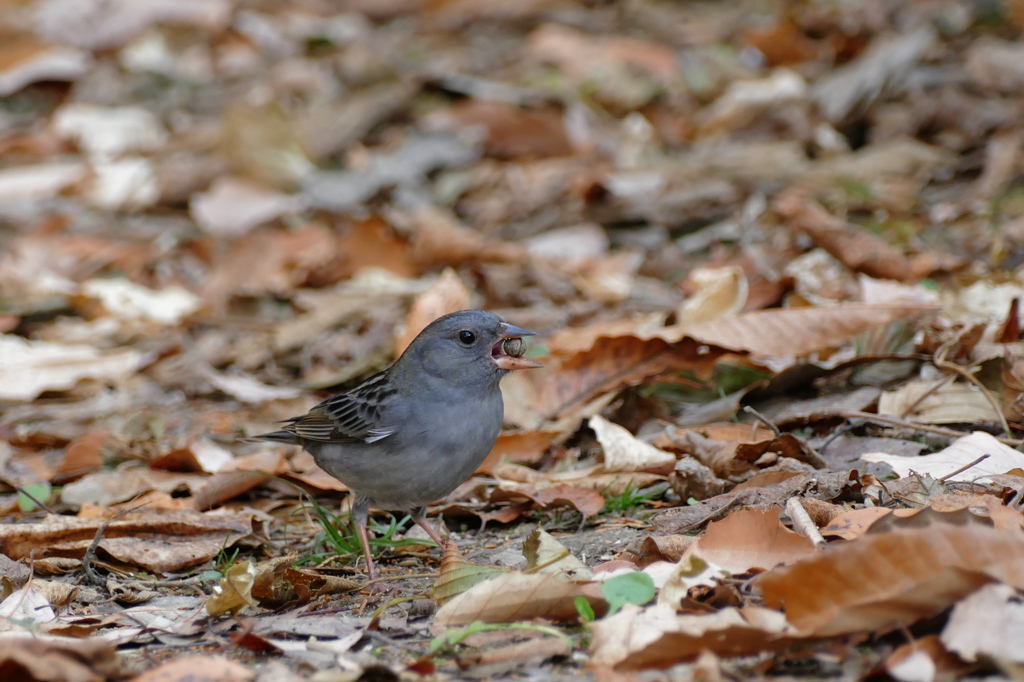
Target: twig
x: 802, y: 522
x: 379, y: 611
x: 941, y: 362
x: 964, y: 468
x: 763, y: 419
x: 392, y: 578
x: 34, y: 499
x: 90, y: 554
x: 928, y: 428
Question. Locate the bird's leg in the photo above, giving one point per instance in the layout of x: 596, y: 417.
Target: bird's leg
x: 419, y: 515
x: 360, y: 516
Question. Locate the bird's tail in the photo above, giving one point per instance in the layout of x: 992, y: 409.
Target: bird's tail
x: 278, y: 437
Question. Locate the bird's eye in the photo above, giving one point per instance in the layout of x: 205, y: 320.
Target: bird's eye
x: 467, y: 337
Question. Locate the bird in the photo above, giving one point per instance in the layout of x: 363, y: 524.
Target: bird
x: 412, y: 433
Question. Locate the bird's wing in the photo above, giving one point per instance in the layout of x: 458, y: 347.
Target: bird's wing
x: 349, y: 417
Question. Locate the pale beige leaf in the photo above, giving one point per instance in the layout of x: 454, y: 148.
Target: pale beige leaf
x: 27, y: 606
x: 720, y: 292
x: 28, y: 368
x: 232, y: 207
x: 107, y: 132
x: 127, y: 300
x: 1001, y: 459
x: 39, y: 181
x: 512, y: 597
x: 939, y: 402
x: 234, y: 591
x: 249, y: 390
x: 988, y: 624
x: 623, y: 451
x: 657, y: 637
x: 541, y: 549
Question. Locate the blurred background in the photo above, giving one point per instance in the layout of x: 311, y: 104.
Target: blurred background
x: 209, y: 208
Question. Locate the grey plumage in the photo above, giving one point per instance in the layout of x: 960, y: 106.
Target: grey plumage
x: 411, y: 434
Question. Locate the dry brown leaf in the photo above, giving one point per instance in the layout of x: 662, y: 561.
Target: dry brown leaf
x: 750, y: 539
x: 205, y: 668
x: 788, y: 332
x: 657, y: 637
x: 664, y: 548
x: 612, y: 363
x: 45, y: 658
x: 373, y: 244
x: 572, y: 340
x: 83, y: 454
x: 886, y: 579
x: 447, y: 295
x: 545, y: 495
x: 522, y: 446
x: 511, y: 131
x: 158, y: 540
x: 512, y: 597
x: 858, y: 249
x: 438, y: 238
x: 275, y: 262
x: 855, y: 523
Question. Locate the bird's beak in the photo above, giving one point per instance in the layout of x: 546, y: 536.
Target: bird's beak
x: 509, y: 331
x: 510, y: 362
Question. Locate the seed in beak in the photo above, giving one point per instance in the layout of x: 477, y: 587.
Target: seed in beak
x: 513, y: 347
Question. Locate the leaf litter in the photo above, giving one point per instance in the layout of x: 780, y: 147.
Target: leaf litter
x: 773, y: 254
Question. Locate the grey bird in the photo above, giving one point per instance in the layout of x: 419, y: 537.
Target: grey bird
x: 411, y: 434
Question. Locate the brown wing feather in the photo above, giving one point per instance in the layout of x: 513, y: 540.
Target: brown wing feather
x: 348, y: 417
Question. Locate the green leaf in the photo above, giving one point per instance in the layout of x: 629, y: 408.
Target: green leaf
x: 40, y: 491
x: 585, y: 610
x: 631, y: 588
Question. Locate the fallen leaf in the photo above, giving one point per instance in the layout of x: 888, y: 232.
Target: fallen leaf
x: 612, y: 363
x: 512, y: 597
x: 447, y: 295
x: 988, y: 624
x: 28, y: 368
x: 541, y: 549
x: 520, y: 446
x: 624, y: 452
x: 46, y: 658
x: 158, y: 540
x: 749, y: 539
x: 893, y: 578
x: 656, y: 637
x: 459, y: 575
x: 233, y: 592
x: 717, y: 292
x: 205, y: 668
x: 940, y: 402
x: 963, y: 451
